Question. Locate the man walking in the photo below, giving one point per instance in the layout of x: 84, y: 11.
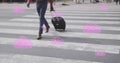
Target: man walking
x: 41, y: 6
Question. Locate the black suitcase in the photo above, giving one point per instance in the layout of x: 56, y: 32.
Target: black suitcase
x: 59, y: 23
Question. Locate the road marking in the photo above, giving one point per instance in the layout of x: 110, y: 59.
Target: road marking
x: 69, y: 14
x: 68, y: 21
x: 87, y: 12
x: 69, y: 45
x: 38, y: 59
x: 68, y: 26
x: 65, y: 34
x: 78, y: 17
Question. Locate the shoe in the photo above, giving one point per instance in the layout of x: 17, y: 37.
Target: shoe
x: 47, y: 29
x: 52, y: 9
x: 40, y: 37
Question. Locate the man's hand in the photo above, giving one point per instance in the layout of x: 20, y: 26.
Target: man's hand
x: 28, y: 5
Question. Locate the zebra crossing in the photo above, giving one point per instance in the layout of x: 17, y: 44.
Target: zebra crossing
x: 27, y: 25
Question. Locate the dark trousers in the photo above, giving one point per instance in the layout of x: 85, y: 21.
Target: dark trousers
x: 96, y: 0
x: 117, y: 1
x: 41, y: 9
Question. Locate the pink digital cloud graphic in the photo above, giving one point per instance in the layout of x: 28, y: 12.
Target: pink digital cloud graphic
x: 57, y: 41
x: 100, y: 53
x: 18, y: 9
x: 91, y: 28
x: 57, y: 14
x: 103, y: 7
x: 22, y: 42
x: 43, y: 26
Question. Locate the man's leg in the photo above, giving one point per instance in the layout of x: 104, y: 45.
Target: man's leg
x: 119, y: 2
x: 97, y: 1
x: 116, y: 1
x: 39, y: 8
x: 51, y: 5
x: 44, y: 8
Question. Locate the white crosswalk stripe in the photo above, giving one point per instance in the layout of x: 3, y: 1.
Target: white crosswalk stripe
x: 32, y: 21
x: 70, y: 21
x: 77, y: 17
x: 72, y: 46
x: 37, y: 59
x: 65, y: 34
x: 68, y: 26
